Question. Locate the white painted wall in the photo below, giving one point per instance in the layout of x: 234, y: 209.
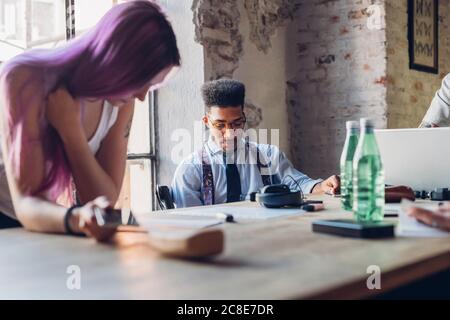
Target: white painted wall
x: 264, y: 75
x: 179, y: 103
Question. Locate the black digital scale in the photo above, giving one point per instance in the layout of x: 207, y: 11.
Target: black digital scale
x: 355, y: 229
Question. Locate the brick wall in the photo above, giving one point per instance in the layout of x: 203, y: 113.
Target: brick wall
x: 338, y: 74
x: 217, y: 29
x: 410, y: 92
x: 311, y: 65
x: 246, y: 40
x: 179, y: 104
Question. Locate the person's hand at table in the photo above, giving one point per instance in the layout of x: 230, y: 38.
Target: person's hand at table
x: 83, y: 220
x: 439, y: 218
x: 332, y: 186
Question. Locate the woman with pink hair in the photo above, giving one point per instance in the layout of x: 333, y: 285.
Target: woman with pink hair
x: 66, y: 115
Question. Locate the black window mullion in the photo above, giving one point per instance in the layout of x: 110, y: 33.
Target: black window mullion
x: 70, y: 19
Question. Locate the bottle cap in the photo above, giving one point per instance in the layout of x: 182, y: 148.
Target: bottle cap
x: 352, y: 125
x: 366, y: 122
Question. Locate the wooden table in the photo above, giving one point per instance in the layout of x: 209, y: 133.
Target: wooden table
x: 272, y: 259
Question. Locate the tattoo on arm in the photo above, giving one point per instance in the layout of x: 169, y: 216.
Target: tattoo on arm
x: 128, y: 128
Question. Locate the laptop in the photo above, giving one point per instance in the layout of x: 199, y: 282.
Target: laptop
x: 418, y: 158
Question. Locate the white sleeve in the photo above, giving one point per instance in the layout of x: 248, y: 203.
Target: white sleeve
x: 438, y: 113
x: 290, y: 176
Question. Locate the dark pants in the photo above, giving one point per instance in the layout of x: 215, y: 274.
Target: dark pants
x: 436, y: 286
x: 6, y: 222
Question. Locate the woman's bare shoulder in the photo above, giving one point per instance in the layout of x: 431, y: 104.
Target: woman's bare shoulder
x: 16, y: 77
x: 22, y: 84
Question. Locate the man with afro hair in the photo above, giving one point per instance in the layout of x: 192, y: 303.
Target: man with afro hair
x: 230, y: 167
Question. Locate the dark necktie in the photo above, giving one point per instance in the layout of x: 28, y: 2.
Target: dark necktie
x: 233, y: 182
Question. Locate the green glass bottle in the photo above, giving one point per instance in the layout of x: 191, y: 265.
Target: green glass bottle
x: 346, y: 164
x: 368, y: 177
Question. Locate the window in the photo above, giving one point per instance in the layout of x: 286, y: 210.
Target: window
x: 26, y: 24
x: 141, y: 167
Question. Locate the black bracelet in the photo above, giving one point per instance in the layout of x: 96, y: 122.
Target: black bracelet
x: 67, y: 223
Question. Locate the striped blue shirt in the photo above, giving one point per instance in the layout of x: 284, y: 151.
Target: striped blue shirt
x: 187, y: 181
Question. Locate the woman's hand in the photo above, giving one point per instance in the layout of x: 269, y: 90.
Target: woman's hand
x: 437, y: 219
x: 63, y: 112
x: 83, y: 220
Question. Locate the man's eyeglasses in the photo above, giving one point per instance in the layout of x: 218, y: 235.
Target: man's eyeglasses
x: 222, y: 125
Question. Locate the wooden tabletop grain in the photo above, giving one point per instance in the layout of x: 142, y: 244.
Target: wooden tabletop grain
x: 273, y: 259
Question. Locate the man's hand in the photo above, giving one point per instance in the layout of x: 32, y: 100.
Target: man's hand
x: 332, y: 185
x: 437, y: 219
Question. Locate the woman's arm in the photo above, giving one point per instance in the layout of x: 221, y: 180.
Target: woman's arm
x: 35, y: 212
x: 40, y: 215
x: 99, y: 175
x: 112, y: 155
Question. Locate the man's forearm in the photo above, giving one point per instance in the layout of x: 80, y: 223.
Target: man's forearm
x: 317, y: 188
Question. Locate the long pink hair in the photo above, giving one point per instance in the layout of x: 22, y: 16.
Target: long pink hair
x: 130, y: 45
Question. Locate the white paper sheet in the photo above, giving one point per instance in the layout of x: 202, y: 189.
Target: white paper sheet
x: 392, y: 208
x: 410, y: 227
x: 239, y: 213
x: 163, y: 222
